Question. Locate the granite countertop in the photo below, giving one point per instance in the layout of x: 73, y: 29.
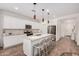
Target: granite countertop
x: 13, y: 34
x: 35, y: 37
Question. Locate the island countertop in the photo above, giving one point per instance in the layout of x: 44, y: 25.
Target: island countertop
x: 35, y: 37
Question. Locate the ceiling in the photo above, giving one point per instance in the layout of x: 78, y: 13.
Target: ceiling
x: 55, y: 9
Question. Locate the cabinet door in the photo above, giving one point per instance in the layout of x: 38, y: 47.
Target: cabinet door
x: 13, y: 40
x: 9, y: 41
x: 13, y: 23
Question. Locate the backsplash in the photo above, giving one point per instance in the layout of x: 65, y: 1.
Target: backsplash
x: 9, y: 32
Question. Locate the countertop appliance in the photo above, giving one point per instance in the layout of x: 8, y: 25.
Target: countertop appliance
x: 28, y: 30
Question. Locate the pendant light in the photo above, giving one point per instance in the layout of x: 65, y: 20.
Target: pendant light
x: 34, y: 11
x: 42, y: 15
x: 48, y: 22
x: 48, y: 16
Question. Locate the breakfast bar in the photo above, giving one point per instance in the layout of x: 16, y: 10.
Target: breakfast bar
x: 29, y: 43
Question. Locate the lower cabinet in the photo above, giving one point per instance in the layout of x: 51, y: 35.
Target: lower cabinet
x: 10, y: 41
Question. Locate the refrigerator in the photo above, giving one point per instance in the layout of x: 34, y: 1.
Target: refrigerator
x: 51, y: 29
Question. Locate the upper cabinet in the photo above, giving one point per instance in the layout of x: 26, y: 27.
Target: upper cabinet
x: 11, y: 22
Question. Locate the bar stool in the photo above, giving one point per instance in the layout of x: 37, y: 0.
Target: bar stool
x: 46, y: 45
x: 43, y: 47
x: 49, y: 44
x: 36, y: 50
x: 39, y: 48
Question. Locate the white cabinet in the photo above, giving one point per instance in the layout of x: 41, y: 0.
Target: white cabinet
x: 13, y: 40
x: 1, y: 30
x: 11, y: 22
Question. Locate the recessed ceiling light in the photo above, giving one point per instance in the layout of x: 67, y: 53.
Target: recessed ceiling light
x: 16, y: 8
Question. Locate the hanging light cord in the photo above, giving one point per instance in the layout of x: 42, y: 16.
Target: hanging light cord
x: 48, y: 16
x: 42, y: 15
x: 34, y: 11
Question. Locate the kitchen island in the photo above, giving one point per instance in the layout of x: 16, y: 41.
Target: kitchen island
x: 31, y: 41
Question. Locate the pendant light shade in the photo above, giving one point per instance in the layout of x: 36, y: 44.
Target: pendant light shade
x: 42, y: 15
x: 48, y: 16
x: 42, y: 9
x: 42, y: 19
x: 34, y: 11
x: 34, y: 3
x: 34, y: 17
x: 48, y: 22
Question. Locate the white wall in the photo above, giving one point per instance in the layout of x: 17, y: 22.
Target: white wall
x: 77, y: 31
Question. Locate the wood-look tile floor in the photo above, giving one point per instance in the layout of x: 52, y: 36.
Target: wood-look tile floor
x: 65, y: 47
x: 61, y: 47
x: 13, y: 51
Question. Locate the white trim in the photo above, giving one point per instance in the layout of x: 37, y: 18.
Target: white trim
x: 68, y: 16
